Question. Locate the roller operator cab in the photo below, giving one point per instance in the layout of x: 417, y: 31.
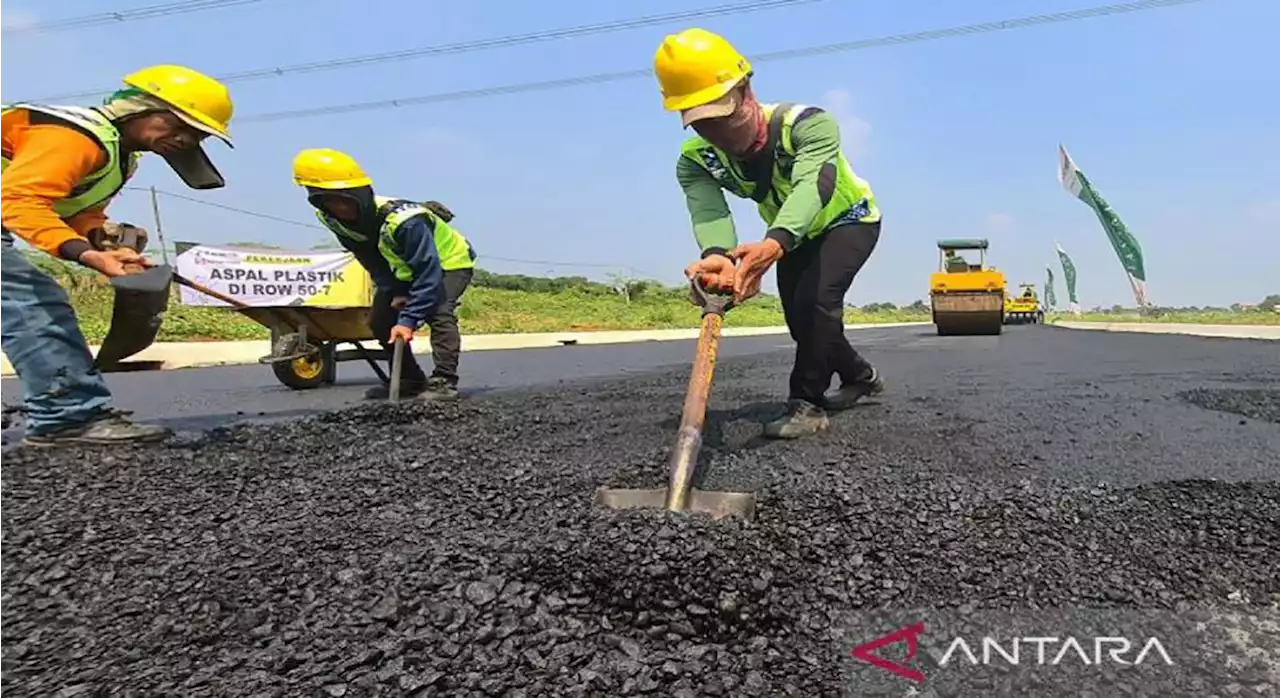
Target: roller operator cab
x: 1024, y: 307
x: 967, y: 297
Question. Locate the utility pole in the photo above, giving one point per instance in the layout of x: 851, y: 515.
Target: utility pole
x: 155, y: 213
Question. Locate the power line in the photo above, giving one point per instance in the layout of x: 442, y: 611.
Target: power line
x: 599, y: 78
x: 234, y: 209
x: 315, y: 226
x: 148, y: 12
x: 479, y: 44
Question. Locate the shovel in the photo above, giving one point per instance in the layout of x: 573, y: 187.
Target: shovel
x: 679, y: 495
x: 136, y: 314
x: 397, y: 360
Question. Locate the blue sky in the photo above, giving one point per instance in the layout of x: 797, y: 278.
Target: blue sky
x: 1171, y: 113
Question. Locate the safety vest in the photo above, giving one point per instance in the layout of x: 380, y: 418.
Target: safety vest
x: 852, y: 202
x: 453, y: 249
x: 101, y: 185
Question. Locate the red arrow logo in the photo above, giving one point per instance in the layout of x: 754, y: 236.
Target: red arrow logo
x: 911, y: 634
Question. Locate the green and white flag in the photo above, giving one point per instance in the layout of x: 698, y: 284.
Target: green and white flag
x: 1069, y: 271
x: 1124, y: 243
x: 1050, y: 298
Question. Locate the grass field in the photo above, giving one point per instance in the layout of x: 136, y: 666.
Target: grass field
x: 483, y: 311
x: 581, y: 306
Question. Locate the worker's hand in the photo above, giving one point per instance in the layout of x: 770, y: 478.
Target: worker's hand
x: 754, y: 259
x: 400, y: 332
x: 715, y: 273
x: 399, y: 302
x: 118, y: 262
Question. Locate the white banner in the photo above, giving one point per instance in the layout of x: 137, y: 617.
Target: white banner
x: 274, y: 278
x: 1067, y: 173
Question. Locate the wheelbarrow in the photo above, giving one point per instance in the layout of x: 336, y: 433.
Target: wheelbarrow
x: 304, y: 339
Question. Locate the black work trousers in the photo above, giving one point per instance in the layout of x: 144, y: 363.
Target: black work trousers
x: 446, y: 340
x: 812, y: 281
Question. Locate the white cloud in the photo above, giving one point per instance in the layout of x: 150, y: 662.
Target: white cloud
x: 1000, y: 222
x: 854, y: 131
x: 18, y: 20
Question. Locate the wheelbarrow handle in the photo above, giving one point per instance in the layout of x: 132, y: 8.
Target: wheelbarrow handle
x: 711, y: 303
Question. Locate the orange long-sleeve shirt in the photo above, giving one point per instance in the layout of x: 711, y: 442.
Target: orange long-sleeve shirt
x: 45, y: 162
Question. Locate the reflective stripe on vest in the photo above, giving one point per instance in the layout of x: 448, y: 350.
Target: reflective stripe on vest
x: 852, y: 201
x: 453, y: 249
x: 100, y: 186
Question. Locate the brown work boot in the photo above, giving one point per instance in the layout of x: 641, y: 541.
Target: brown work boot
x: 802, y: 419
x: 110, y: 427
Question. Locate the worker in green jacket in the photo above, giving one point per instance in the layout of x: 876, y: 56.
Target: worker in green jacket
x: 822, y: 219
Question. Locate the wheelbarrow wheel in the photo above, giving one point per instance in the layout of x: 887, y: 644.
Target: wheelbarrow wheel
x: 304, y: 373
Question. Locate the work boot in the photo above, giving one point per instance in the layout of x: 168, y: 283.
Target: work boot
x: 439, y: 389
x: 849, y: 393
x: 802, y: 419
x: 383, y: 391
x: 110, y: 427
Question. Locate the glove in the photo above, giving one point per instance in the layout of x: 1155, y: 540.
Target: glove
x: 440, y: 210
x: 112, y: 237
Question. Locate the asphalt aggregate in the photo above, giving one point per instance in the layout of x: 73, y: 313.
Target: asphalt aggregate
x: 456, y: 550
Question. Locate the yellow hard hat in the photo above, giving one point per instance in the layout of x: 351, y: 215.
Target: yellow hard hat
x: 325, y: 168
x: 697, y: 68
x: 201, y: 101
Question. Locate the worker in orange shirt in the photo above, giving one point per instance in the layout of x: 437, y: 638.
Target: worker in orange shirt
x: 62, y: 167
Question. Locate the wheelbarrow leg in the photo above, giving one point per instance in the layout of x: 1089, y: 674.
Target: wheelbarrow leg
x: 372, y: 361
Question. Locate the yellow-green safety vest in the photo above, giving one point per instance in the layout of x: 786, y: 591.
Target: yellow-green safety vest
x: 453, y: 249
x: 100, y: 186
x: 852, y: 201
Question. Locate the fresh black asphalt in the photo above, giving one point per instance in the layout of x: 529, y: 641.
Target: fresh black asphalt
x: 1048, y: 475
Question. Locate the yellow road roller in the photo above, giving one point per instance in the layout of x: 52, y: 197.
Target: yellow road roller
x: 1024, y: 307
x: 967, y: 298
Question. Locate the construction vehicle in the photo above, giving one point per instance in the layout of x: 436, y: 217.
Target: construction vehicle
x: 1024, y: 307
x: 967, y: 298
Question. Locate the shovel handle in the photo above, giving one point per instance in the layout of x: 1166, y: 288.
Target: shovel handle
x: 397, y: 360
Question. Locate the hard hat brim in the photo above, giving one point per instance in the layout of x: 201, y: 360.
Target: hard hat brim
x: 724, y: 106
x: 196, y: 169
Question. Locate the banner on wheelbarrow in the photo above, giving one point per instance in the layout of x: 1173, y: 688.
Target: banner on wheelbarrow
x: 274, y: 278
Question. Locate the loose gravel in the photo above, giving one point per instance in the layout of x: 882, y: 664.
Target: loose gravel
x: 419, y: 550
x: 1255, y: 404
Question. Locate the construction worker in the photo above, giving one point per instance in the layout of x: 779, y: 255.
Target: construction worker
x: 955, y: 263
x: 822, y: 220
x: 419, y: 264
x: 62, y: 167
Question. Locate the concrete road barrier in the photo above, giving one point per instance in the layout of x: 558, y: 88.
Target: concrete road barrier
x: 1232, y: 331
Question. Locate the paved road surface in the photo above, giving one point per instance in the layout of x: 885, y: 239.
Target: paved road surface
x: 201, y: 398
x: 456, y: 550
